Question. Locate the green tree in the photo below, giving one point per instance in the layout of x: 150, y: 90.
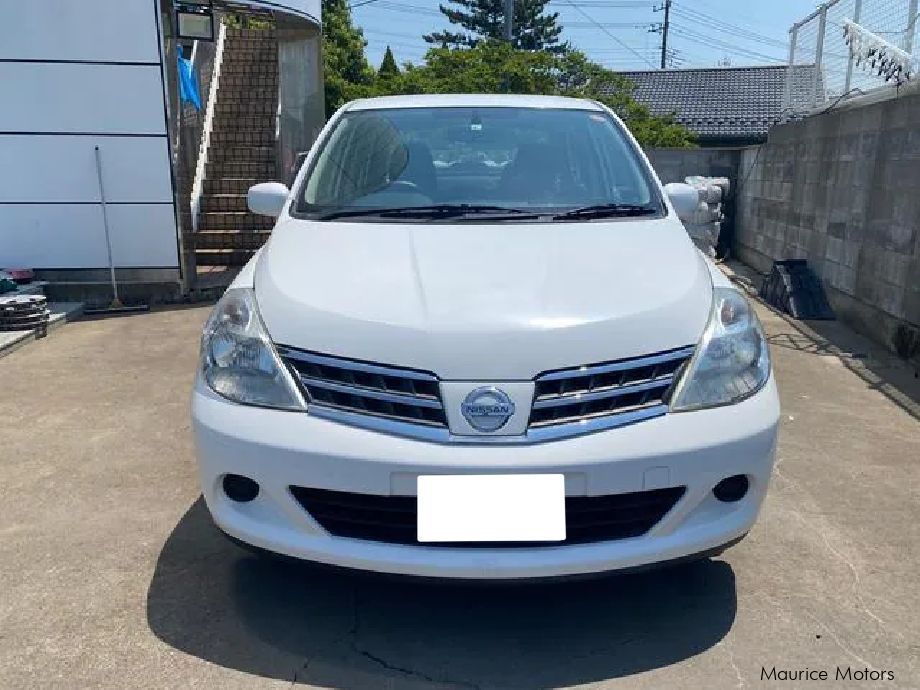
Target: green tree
x: 490, y: 67
x: 495, y: 67
x: 487, y: 65
x: 533, y: 27
x: 581, y: 78
x: 346, y: 72
x: 388, y: 67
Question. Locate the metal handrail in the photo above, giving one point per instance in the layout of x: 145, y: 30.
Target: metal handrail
x: 207, y: 125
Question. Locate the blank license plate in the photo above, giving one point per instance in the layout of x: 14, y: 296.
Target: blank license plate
x: 491, y: 507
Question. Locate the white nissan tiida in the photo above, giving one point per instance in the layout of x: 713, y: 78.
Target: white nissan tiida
x: 480, y: 344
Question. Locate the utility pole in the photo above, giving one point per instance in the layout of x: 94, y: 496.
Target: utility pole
x: 664, y: 33
x: 509, y: 20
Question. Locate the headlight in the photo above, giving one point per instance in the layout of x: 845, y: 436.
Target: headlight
x: 238, y: 360
x: 732, y: 361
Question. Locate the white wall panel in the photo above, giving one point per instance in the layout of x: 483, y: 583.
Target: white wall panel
x: 51, y: 236
x: 143, y: 235
x: 61, y: 95
x: 100, y: 30
x: 58, y: 97
x: 72, y: 236
x: 63, y: 168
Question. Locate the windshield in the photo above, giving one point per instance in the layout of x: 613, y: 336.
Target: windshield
x: 423, y: 163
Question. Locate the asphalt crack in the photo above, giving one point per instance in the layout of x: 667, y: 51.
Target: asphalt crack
x: 738, y: 675
x: 388, y: 665
x: 819, y: 524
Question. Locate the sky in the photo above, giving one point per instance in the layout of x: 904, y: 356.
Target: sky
x: 615, y: 33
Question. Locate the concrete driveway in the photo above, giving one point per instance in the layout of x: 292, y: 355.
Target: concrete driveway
x: 111, y: 574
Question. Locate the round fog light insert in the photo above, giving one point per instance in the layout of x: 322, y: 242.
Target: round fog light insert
x: 239, y: 488
x: 731, y: 489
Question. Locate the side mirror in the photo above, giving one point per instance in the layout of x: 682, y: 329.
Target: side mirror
x: 267, y: 198
x: 684, y: 199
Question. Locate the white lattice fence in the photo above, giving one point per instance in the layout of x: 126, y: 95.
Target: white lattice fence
x: 822, y: 69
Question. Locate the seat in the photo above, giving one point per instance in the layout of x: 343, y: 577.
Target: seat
x: 419, y: 169
x: 537, y: 172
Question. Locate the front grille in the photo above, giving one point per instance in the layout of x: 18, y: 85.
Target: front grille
x: 392, y: 519
x: 404, y: 395
x: 582, y: 394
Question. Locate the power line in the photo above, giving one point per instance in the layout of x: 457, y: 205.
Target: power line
x: 406, y: 46
x: 405, y: 7
x: 605, y: 31
x: 739, y: 21
x: 608, y: 4
x: 706, y: 20
x: 652, y: 52
x: 418, y: 9
x: 609, y: 25
x: 409, y: 9
x: 714, y: 22
x: 718, y: 42
x: 397, y: 34
x: 711, y: 42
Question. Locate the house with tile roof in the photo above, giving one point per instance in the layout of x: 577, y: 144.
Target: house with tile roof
x: 723, y: 106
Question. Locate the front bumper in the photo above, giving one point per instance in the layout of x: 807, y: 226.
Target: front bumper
x: 280, y: 449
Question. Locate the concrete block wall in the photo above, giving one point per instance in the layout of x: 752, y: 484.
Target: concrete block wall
x: 841, y: 190
x: 673, y: 165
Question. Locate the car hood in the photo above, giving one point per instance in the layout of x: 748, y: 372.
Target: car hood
x: 483, y: 302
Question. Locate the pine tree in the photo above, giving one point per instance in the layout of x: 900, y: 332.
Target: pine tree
x: 388, y: 67
x: 533, y: 28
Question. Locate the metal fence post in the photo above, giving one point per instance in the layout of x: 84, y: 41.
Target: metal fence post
x: 787, y: 91
x: 911, y: 26
x: 819, y: 54
x: 857, y: 11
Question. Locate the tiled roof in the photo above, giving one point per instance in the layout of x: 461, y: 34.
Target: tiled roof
x: 725, y: 104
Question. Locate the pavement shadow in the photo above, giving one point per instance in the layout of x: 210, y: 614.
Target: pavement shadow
x: 333, y: 628
x: 896, y: 377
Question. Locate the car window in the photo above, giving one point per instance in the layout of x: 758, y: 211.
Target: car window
x: 516, y: 158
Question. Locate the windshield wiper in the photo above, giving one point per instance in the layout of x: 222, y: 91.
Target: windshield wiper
x: 606, y: 211
x: 435, y: 211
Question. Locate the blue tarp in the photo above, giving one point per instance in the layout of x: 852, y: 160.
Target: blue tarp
x: 188, y: 83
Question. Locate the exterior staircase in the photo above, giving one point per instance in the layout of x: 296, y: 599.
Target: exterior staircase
x: 241, y: 152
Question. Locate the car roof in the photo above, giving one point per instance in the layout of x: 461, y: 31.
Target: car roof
x: 473, y: 100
